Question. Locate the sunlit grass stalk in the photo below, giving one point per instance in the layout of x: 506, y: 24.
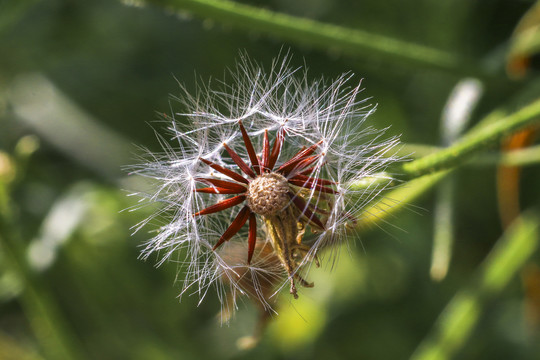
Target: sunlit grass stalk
x: 42, y: 313
x: 12, y: 11
x: 45, y: 318
x: 457, y: 321
x: 443, y: 237
x: 523, y: 157
x: 482, y: 138
x: 321, y: 35
x: 454, y: 120
x: 11, y: 348
x: 520, y: 157
x: 397, y: 199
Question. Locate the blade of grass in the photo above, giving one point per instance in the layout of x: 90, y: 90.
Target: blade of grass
x: 455, y: 118
x: 13, y: 349
x: 473, y: 142
x: 443, y: 232
x: 321, y: 35
x: 45, y: 318
x: 12, y: 12
x: 521, y: 157
x: 457, y: 321
x: 38, y: 103
x: 49, y: 327
x: 396, y: 199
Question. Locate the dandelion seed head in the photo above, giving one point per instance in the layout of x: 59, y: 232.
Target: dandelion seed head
x: 259, y: 177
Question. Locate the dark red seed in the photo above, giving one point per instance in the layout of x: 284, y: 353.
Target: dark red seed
x: 276, y: 149
x: 301, y: 165
x: 301, y: 204
x: 265, y: 152
x: 250, y: 150
x: 226, y: 171
x: 317, y: 180
x: 217, y: 190
x: 313, y: 186
x: 301, y: 155
x: 235, y: 226
x: 238, y: 160
x: 222, y: 205
x: 223, y: 184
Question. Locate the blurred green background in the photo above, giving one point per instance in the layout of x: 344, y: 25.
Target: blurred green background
x: 81, y: 85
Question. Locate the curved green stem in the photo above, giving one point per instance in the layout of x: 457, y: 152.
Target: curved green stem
x: 474, y: 142
x: 396, y: 199
x: 45, y: 317
x: 12, y: 11
x: 519, y: 157
x: 322, y: 35
x: 43, y: 314
x: 457, y: 321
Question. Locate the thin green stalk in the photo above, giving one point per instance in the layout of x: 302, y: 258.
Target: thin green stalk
x: 458, y: 319
x: 520, y: 157
x: 524, y: 157
x: 321, y: 35
x: 396, y: 199
x: 42, y: 313
x: 473, y: 142
x: 415, y: 151
x: 464, y: 97
x: 44, y: 316
x: 443, y: 232
x: 14, y: 349
x: 12, y: 11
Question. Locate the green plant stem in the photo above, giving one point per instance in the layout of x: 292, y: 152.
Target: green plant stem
x: 322, y: 35
x: 12, y: 11
x: 443, y: 232
x: 520, y: 157
x: 456, y: 323
x: 44, y: 317
x: 396, y: 199
x: 472, y: 143
x: 524, y: 157
x: 13, y: 349
x: 415, y: 151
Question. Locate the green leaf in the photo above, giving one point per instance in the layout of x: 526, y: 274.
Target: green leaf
x: 457, y: 321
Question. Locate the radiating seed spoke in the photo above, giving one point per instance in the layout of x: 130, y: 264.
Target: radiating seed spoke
x: 226, y: 171
x: 312, y: 179
x: 265, y: 152
x: 222, y: 205
x: 218, y: 190
x: 238, y: 161
x: 301, y: 204
x: 301, y: 165
x: 276, y: 149
x: 313, y: 186
x: 298, y: 157
x: 235, y: 226
x: 319, y: 210
x: 223, y: 184
x: 250, y: 150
